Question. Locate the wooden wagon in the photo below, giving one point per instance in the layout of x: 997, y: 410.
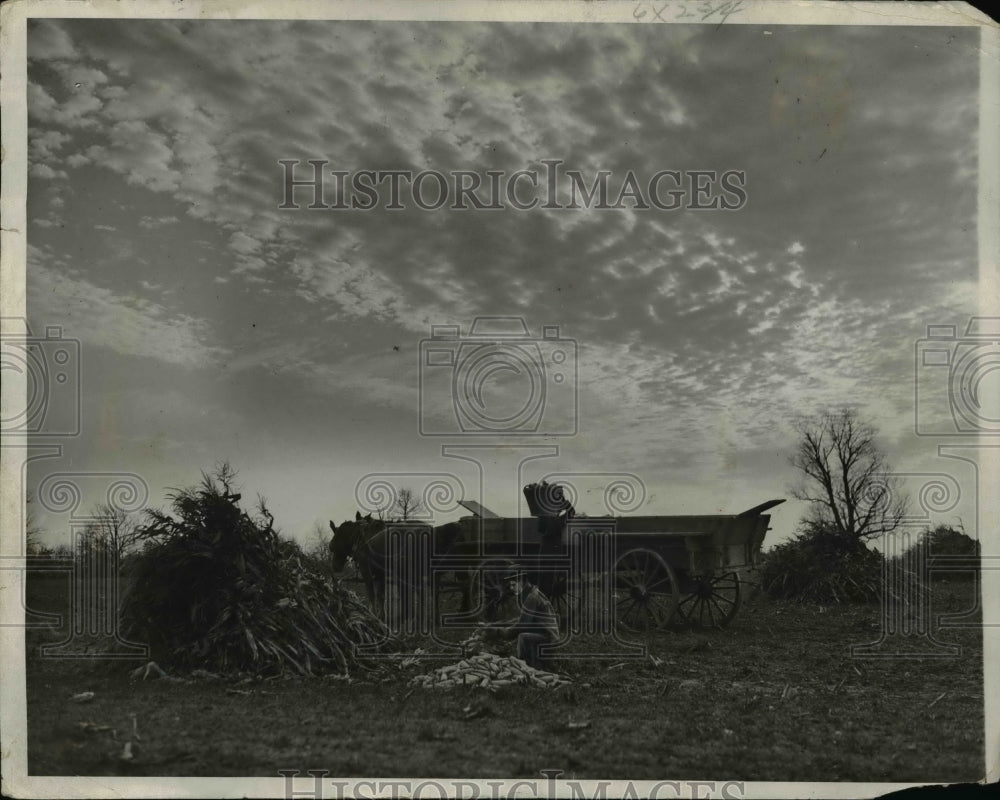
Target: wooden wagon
x: 642, y: 572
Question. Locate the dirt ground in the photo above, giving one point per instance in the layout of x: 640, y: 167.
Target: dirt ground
x: 777, y: 696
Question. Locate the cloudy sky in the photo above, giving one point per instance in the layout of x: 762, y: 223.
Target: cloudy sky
x: 214, y: 325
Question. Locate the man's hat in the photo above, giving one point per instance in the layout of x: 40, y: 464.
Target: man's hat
x: 508, y: 570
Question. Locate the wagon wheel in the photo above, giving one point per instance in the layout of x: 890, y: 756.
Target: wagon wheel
x: 496, y: 601
x: 714, y: 601
x: 450, y: 591
x: 645, y: 593
x: 565, y: 595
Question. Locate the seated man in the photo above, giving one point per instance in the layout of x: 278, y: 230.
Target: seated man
x: 537, y: 625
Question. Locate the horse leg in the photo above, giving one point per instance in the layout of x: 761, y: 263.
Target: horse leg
x: 380, y: 596
x: 406, y: 589
x: 403, y: 592
x: 372, y: 597
x: 372, y: 587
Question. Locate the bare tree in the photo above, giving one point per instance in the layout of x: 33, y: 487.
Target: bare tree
x: 407, y: 505
x: 319, y: 542
x: 847, y: 478
x: 115, y: 529
x: 62, y: 551
x: 32, y: 545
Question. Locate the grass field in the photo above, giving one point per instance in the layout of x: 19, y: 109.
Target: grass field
x: 776, y: 696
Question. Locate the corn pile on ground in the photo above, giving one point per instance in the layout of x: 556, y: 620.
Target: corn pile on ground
x: 488, y: 671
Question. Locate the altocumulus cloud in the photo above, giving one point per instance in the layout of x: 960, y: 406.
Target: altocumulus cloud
x: 857, y: 143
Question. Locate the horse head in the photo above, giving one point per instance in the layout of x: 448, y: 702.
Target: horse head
x: 346, y: 538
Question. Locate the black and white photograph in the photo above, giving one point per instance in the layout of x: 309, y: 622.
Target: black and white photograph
x: 493, y: 399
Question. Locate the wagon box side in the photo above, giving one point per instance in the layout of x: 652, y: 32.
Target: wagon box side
x: 685, y: 569
x: 734, y: 546
x: 699, y: 545
x: 506, y: 536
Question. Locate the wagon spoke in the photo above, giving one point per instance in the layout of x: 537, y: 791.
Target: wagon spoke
x: 660, y: 607
x: 450, y: 601
x: 627, y: 614
x: 711, y: 614
x: 650, y: 570
x: 646, y: 593
x: 691, y: 598
x: 491, y: 598
x: 718, y: 596
x: 566, y: 599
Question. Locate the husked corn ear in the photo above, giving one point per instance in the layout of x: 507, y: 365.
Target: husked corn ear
x: 489, y: 671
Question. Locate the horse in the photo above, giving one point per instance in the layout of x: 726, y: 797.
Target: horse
x: 350, y: 540
x: 366, y: 540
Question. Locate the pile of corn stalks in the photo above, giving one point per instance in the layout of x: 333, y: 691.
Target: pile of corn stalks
x: 488, y: 671
x: 217, y: 588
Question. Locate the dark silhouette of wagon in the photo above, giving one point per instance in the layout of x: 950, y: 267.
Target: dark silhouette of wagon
x: 639, y: 572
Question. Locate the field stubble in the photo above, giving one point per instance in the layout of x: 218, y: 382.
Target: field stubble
x: 776, y: 696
